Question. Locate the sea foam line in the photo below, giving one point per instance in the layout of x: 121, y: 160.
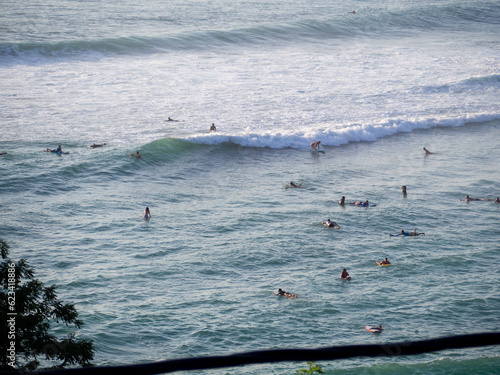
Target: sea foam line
x: 336, y: 136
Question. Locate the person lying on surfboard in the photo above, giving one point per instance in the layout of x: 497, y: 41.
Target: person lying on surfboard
x: 57, y: 150
x: 285, y: 294
x: 468, y: 199
x: 364, y: 204
x: 330, y: 224
x: 292, y: 184
x: 97, y: 145
x: 385, y: 261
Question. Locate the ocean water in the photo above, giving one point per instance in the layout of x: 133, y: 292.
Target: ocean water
x: 198, y: 278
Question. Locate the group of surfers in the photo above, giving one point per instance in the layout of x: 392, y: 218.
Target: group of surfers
x: 344, y: 276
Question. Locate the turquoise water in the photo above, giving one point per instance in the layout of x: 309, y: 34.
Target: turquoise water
x: 198, y: 278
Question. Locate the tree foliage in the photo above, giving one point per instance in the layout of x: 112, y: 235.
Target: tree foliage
x: 30, y: 309
x: 313, y: 369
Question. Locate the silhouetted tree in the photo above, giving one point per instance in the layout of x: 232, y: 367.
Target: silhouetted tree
x: 28, y: 310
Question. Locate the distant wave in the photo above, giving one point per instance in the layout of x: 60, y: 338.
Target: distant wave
x: 471, y: 83
x: 339, y: 135
x: 374, y: 23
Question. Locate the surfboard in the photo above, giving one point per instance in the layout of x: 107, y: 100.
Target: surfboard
x: 346, y: 278
x: 373, y: 329
x: 288, y: 295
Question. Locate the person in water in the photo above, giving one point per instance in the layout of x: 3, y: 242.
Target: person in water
x: 97, y: 145
x: 497, y: 200
x: 58, y: 149
x: 292, y: 184
x: 342, y: 201
x: 213, y: 128
x: 285, y: 294
x: 147, y: 213
x: 385, y: 261
x: 468, y: 199
x: 344, y: 274
x: 330, y: 224
x: 315, y: 145
x: 364, y: 204
x: 137, y: 155
x: 427, y: 152
x: 403, y: 189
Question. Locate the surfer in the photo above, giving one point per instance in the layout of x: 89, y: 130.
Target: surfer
x: 344, y: 274
x: 403, y: 189
x: 427, y: 152
x: 57, y: 150
x: 342, y: 201
x: 385, y: 261
x: 468, y: 199
x: 137, y: 155
x: 353, y: 12
x: 496, y: 200
x: 147, y: 213
x: 97, y: 145
x: 213, y: 128
x: 315, y: 145
x: 285, y: 294
x: 294, y: 185
x: 364, y: 204
x: 330, y: 224
x: 4, y: 153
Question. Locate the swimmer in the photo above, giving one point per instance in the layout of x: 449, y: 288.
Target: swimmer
x: 342, y: 201
x: 403, y: 189
x: 344, y: 274
x: 427, y: 152
x: 4, y: 153
x: 353, y: 12
x: 213, y: 128
x: 147, y: 213
x: 330, y: 224
x: 315, y: 145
